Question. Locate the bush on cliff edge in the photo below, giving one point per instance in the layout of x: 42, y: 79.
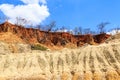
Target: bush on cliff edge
x: 38, y: 47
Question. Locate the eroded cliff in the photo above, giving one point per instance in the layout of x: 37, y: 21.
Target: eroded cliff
x: 32, y: 36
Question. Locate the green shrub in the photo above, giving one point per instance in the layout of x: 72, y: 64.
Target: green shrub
x: 38, y: 47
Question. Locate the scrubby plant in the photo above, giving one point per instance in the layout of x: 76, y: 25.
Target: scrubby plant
x: 38, y: 47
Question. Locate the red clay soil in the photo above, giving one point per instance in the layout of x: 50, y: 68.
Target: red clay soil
x: 32, y: 36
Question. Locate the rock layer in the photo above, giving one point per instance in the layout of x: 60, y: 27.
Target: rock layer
x: 85, y: 63
x: 32, y: 36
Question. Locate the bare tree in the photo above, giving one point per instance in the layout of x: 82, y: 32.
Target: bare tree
x: 101, y: 27
x: 39, y: 27
x: 21, y: 21
x: 70, y: 31
x: 50, y: 26
x: 56, y: 29
x: 63, y: 29
x: 80, y: 30
x: 76, y: 30
x: 87, y: 31
x: 93, y: 32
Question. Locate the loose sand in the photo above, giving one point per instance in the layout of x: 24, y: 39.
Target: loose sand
x: 85, y: 63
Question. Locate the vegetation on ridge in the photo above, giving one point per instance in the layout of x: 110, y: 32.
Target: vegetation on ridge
x: 38, y: 47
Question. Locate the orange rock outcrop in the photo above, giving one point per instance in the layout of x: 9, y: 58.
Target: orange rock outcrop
x: 31, y: 35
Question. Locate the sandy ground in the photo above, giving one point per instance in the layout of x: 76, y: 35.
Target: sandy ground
x: 85, y: 63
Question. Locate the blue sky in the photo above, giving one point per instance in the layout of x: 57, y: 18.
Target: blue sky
x: 84, y: 13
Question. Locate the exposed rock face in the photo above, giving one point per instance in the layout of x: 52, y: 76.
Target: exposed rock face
x: 82, y: 39
x: 86, y: 63
x: 100, y: 38
x: 30, y: 35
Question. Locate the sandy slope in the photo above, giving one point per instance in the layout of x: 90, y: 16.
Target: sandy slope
x: 10, y: 37
x: 86, y: 63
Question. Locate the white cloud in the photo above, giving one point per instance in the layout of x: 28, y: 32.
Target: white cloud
x: 34, y: 1
x: 31, y: 11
